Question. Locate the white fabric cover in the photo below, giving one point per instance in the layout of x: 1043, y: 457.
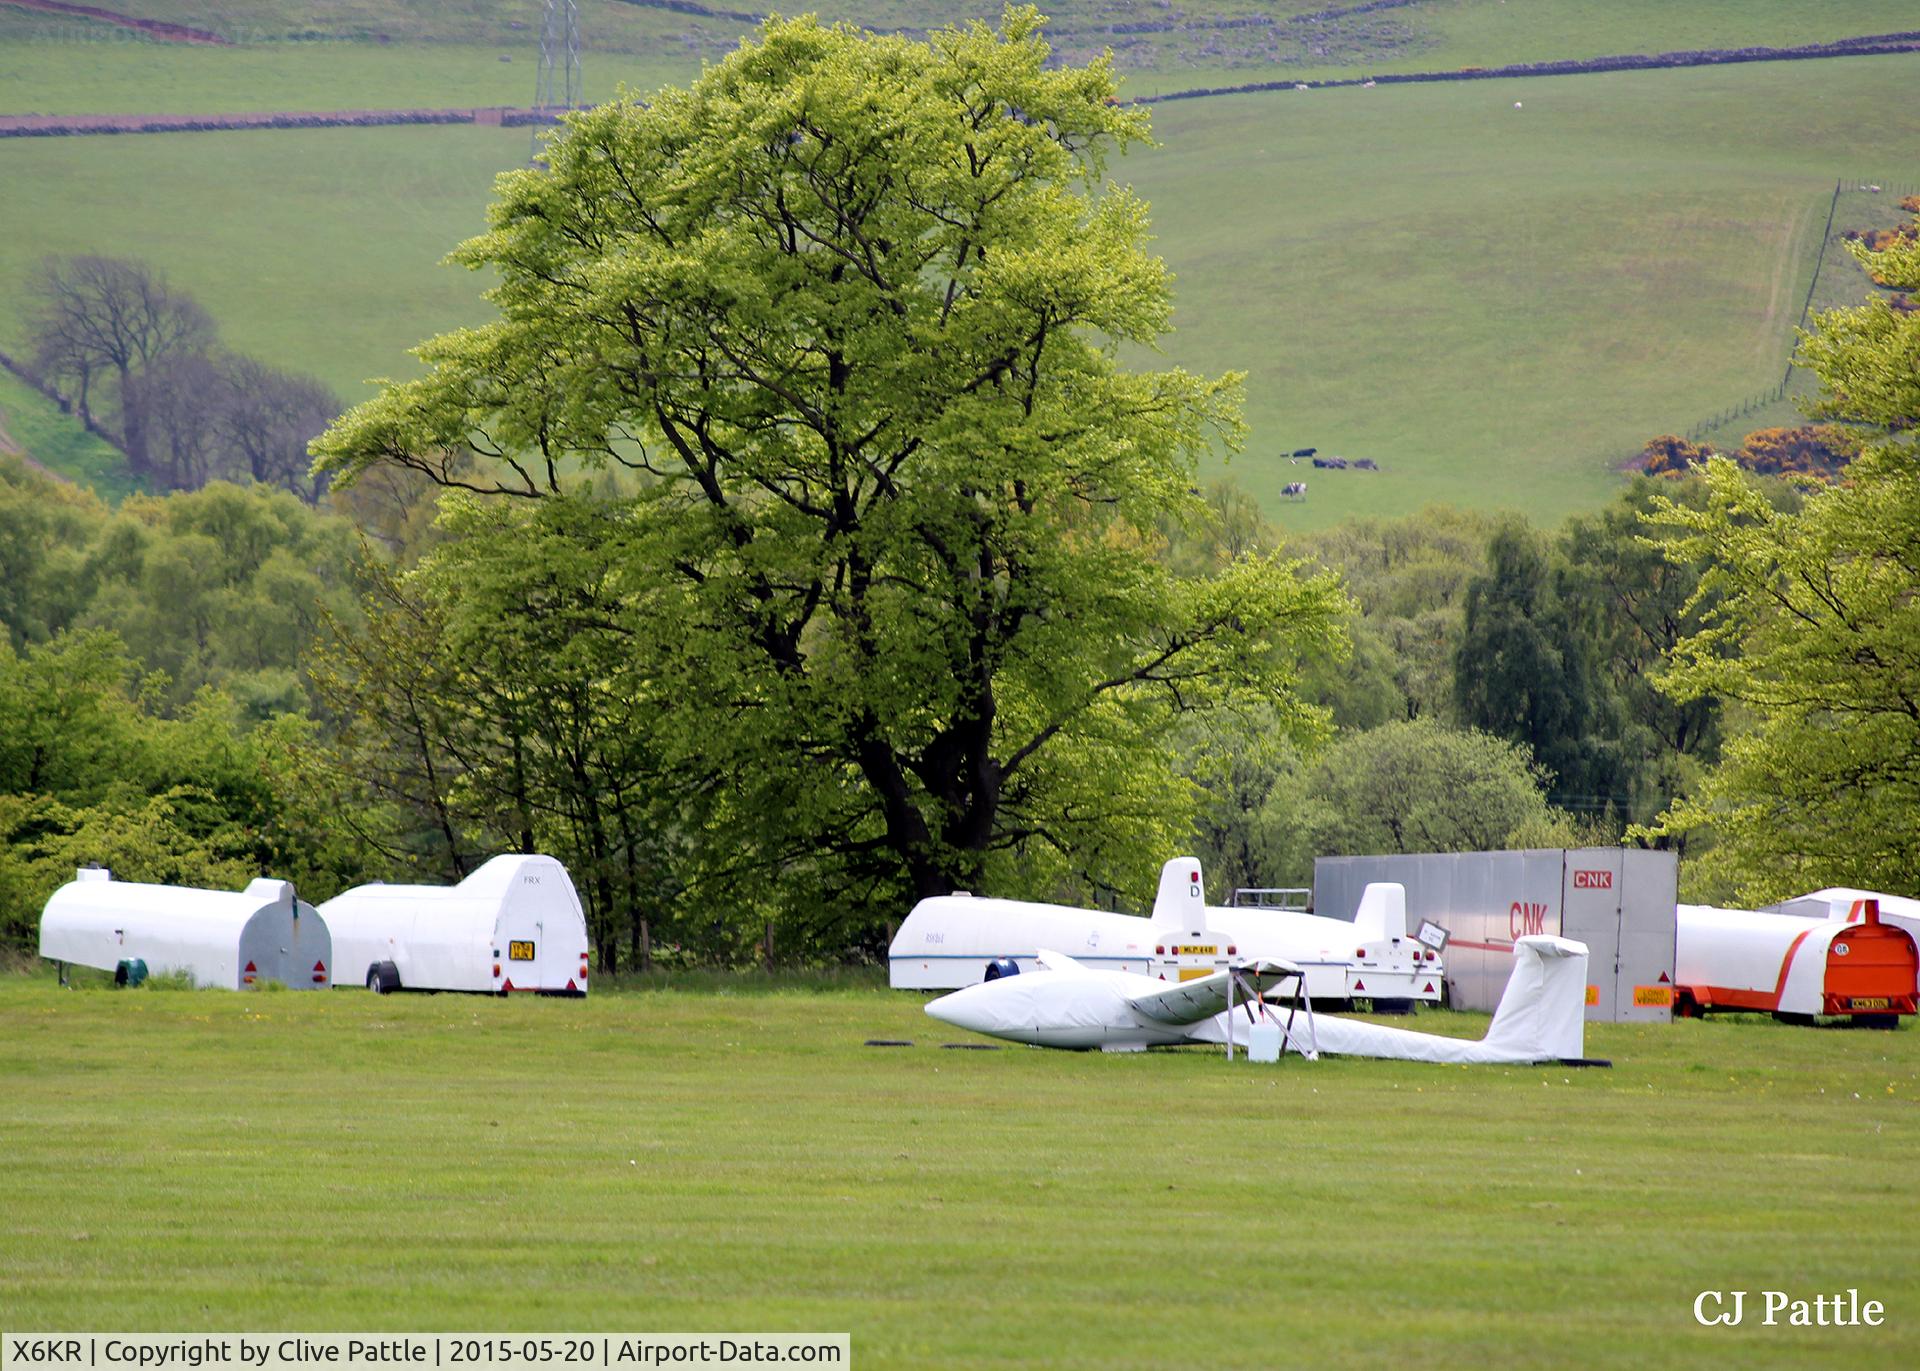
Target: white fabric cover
x: 1542, y: 1017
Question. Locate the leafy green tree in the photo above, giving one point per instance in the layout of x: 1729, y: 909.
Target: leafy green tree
x: 1422, y: 786
x: 1523, y: 671
x: 851, y: 307
x: 1811, y: 623
x: 222, y: 586
x: 1249, y: 829
x: 45, y: 526
x: 1410, y: 578
x: 1637, y: 607
x: 92, y: 771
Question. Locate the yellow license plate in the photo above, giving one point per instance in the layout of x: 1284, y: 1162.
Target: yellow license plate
x: 1197, y: 950
x: 519, y: 952
x: 1874, y: 1002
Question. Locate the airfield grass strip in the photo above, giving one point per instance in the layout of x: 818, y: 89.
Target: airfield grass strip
x: 701, y: 1160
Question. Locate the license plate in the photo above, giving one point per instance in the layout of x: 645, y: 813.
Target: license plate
x: 1875, y: 1002
x: 519, y: 952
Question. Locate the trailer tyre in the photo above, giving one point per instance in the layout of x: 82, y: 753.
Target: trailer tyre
x: 383, y: 978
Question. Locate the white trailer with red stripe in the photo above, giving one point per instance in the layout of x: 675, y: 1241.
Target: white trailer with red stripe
x: 1848, y: 905
x: 513, y: 926
x: 223, y: 939
x: 1791, y: 966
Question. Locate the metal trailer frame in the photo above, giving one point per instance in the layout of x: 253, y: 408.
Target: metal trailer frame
x: 1619, y: 901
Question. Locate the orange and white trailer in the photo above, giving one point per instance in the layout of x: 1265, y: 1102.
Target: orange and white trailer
x: 1793, y: 968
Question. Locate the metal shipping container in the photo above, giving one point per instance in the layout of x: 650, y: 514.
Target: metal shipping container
x: 1618, y: 901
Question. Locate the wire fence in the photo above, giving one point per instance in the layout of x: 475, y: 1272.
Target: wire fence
x: 1775, y: 394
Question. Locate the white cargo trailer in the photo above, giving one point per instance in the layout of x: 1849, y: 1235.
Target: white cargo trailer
x: 1618, y: 901
x: 513, y: 926
x: 1366, y: 955
x: 227, y: 939
x: 950, y: 941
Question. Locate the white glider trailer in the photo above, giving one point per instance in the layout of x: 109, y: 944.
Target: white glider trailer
x: 512, y: 927
x: 1366, y: 957
x: 951, y: 941
x: 224, y: 939
x: 1792, y: 967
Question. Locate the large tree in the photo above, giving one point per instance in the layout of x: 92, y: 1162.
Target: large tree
x: 1524, y: 671
x: 850, y: 309
x: 1811, y: 622
x: 114, y: 317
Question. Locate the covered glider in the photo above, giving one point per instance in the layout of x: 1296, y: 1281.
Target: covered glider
x: 514, y: 925
x: 1541, y: 1015
x: 1793, y: 967
x: 226, y: 939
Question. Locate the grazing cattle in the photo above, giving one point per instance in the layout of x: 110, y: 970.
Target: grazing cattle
x: 1305, y: 451
x: 1294, y: 490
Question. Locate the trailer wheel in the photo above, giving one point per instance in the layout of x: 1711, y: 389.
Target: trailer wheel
x: 383, y: 978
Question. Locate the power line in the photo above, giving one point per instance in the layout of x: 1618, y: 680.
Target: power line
x: 558, y: 86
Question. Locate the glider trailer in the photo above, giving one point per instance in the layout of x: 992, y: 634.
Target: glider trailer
x: 951, y: 941
x: 223, y: 939
x: 513, y: 926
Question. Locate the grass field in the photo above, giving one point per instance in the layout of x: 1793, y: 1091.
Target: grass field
x: 674, y: 1161
x: 33, y: 424
x: 1498, y: 305
x: 452, y: 55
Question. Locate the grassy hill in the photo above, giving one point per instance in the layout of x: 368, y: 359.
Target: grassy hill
x: 1498, y: 305
x: 385, y: 53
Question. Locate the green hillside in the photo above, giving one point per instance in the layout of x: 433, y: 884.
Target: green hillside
x: 386, y: 54
x: 1496, y: 304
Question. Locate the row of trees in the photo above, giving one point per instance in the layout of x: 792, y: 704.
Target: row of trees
x: 139, y: 361
x: 800, y: 548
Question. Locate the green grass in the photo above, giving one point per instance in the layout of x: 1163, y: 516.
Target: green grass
x: 1497, y: 305
x: 57, y: 441
x: 1500, y: 304
x: 676, y: 1161
x: 158, y: 78
x: 450, y: 55
x: 316, y: 249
